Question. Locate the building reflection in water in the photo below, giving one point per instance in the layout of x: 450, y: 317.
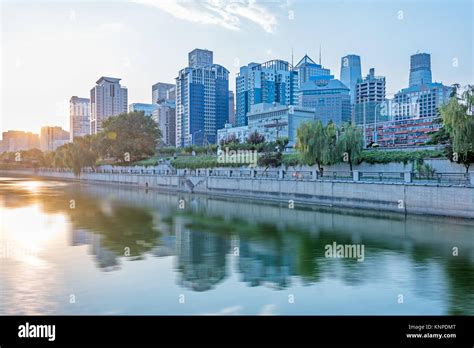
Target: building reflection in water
x: 166, y: 244
x: 106, y: 259
x: 278, y: 247
x: 201, y: 257
x: 278, y: 256
x: 265, y: 263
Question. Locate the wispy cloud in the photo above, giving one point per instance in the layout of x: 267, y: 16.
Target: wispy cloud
x: 229, y: 14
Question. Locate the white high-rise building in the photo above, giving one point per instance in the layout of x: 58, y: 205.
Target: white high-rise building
x: 165, y: 116
x: 370, y: 96
x: 108, y: 98
x: 79, y: 117
x: 274, y: 81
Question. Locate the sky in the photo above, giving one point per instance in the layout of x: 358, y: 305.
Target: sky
x: 52, y: 50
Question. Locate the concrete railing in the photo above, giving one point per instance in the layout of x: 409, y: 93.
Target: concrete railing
x: 461, y: 179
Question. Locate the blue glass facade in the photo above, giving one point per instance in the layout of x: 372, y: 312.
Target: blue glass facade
x: 329, y: 98
x: 420, y: 69
x: 274, y: 81
x: 241, y: 97
x: 196, y: 112
x: 222, y: 107
x: 146, y: 108
x: 308, y: 70
x: 351, y: 72
x: 202, y: 100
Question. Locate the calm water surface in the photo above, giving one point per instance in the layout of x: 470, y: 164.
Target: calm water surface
x: 68, y: 248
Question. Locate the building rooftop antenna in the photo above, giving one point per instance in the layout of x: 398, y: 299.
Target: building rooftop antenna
x: 319, y: 54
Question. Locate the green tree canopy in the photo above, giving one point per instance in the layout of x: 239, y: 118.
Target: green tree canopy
x: 309, y: 142
x: 330, y: 153
x: 129, y: 137
x: 458, y: 121
x: 350, y: 144
x: 317, y: 144
x: 77, y: 155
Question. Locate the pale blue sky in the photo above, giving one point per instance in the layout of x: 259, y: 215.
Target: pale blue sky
x: 53, y: 50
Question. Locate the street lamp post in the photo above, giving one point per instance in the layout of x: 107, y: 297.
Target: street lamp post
x: 193, y: 136
x: 375, y: 124
x: 365, y: 125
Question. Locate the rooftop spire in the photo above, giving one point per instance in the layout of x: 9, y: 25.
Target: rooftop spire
x: 319, y: 54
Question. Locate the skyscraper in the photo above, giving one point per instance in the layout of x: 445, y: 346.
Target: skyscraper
x: 53, y: 137
x: 413, y: 110
x: 79, y: 117
x: 242, y: 95
x: 165, y: 116
x: 328, y: 97
x: 370, y: 94
x: 274, y: 81
x: 420, y: 69
x: 159, y: 91
x: 351, y: 72
x: 202, y: 100
x: 108, y: 98
x: 198, y: 58
x: 309, y: 70
x: 420, y: 101
x: 171, y: 93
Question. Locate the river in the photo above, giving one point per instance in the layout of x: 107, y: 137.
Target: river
x: 72, y: 248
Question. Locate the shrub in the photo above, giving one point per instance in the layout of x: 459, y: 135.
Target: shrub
x: 383, y: 157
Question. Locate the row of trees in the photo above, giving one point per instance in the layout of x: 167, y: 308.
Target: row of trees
x: 327, y: 145
x: 127, y: 137
x: 271, y: 152
x: 253, y: 138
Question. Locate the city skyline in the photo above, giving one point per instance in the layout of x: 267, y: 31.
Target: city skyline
x: 63, y: 74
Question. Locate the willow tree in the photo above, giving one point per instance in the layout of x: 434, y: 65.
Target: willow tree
x: 350, y: 144
x: 76, y: 155
x: 458, y: 119
x: 331, y: 153
x: 310, y: 142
